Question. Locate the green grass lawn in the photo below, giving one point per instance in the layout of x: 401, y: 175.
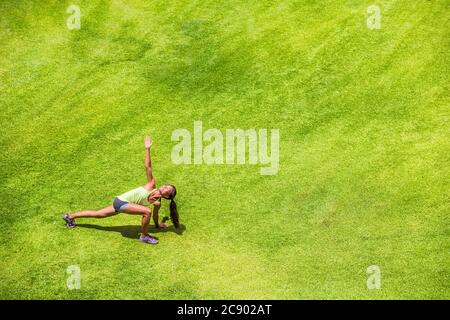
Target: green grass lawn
x: 364, y: 150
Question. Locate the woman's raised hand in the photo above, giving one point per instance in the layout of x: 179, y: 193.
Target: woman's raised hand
x: 148, y: 142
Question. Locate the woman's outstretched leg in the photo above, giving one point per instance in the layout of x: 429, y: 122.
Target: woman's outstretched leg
x: 102, y: 213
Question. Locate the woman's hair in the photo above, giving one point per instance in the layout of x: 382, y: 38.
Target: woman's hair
x: 173, y: 207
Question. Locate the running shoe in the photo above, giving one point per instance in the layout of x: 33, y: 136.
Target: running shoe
x: 70, y: 223
x: 148, y: 239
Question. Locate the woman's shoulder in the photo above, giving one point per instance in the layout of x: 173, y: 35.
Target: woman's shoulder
x: 149, y: 186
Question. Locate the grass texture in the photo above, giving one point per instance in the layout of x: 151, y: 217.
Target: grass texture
x: 364, y: 148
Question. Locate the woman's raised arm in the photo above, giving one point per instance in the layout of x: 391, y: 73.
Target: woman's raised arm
x: 148, y: 162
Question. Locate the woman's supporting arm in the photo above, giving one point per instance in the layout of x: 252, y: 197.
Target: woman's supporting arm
x: 156, y: 218
x: 155, y: 215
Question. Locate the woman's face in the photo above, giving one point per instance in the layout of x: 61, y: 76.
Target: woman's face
x: 166, y: 191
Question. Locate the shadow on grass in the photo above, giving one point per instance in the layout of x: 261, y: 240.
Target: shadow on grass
x: 132, y: 232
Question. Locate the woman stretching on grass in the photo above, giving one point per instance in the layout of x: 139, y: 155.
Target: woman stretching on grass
x: 137, y: 201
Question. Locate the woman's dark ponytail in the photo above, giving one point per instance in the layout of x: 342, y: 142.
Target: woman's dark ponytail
x: 173, y: 208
